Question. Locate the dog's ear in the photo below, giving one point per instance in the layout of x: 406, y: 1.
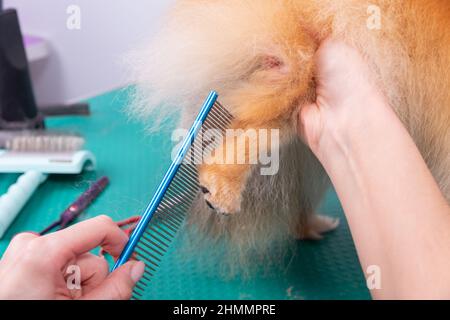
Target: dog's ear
x: 271, y: 67
x: 270, y: 62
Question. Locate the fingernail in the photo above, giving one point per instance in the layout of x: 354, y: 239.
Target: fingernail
x: 137, y: 271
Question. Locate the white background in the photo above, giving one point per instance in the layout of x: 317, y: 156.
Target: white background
x: 83, y: 63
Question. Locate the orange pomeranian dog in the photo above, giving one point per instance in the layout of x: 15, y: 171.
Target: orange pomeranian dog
x: 258, y: 54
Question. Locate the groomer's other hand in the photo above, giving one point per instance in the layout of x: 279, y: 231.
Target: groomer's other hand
x: 347, y: 99
x: 398, y: 216
x: 47, y: 267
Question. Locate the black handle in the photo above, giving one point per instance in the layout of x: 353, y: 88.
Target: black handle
x: 18, y: 108
x: 74, y: 109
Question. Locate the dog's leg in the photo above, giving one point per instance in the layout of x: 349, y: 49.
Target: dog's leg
x: 316, y: 225
x: 314, y: 184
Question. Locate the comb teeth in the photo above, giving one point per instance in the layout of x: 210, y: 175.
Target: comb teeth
x: 45, y: 143
x: 178, y: 197
x: 218, y: 120
x: 168, y: 218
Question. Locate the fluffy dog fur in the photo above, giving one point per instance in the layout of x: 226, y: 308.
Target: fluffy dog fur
x: 259, y: 56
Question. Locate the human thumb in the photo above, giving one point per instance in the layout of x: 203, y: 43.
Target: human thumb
x: 119, y: 284
x: 309, y: 124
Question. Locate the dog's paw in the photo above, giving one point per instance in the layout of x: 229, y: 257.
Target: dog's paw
x: 222, y: 188
x: 316, y: 226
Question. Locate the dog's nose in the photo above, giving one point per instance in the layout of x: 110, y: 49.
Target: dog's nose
x: 210, y: 205
x: 206, y: 191
x: 218, y: 212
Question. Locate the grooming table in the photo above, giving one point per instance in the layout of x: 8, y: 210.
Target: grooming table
x: 135, y: 163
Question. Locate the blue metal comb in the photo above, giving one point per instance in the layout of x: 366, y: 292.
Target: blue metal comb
x: 164, y: 215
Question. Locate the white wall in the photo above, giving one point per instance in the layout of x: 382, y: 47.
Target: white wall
x: 85, y: 62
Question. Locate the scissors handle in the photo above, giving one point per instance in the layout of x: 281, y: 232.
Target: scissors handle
x: 77, y: 207
x: 50, y: 228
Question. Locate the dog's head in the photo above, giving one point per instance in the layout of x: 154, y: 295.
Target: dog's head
x: 256, y: 54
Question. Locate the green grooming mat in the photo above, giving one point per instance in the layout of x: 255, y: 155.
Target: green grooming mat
x: 135, y: 162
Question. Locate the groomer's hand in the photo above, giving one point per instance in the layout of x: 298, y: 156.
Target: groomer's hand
x: 59, y: 265
x: 347, y: 100
x: 398, y: 216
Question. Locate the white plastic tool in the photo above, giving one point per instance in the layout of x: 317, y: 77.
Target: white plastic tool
x: 35, y: 167
x: 46, y: 162
x: 17, y: 196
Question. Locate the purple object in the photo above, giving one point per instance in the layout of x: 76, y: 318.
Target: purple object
x: 36, y: 48
x: 30, y: 40
x: 76, y: 208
